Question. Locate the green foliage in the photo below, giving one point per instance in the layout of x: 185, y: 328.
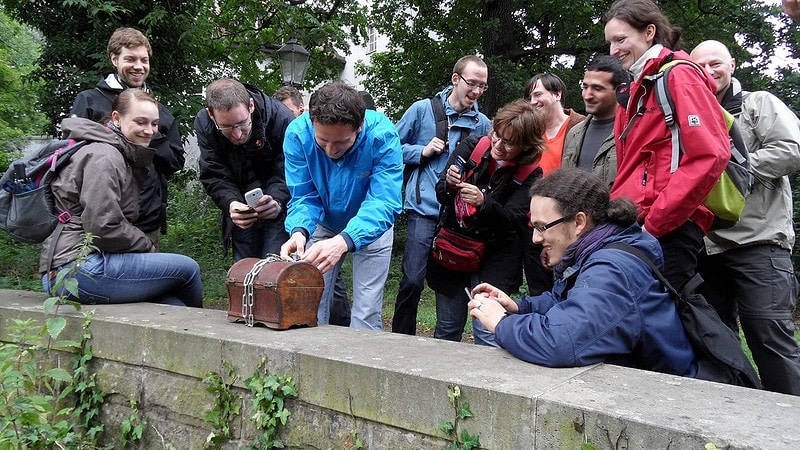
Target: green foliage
x: 227, y: 405
x: 194, y: 230
x: 519, y: 38
x: 19, y: 116
x: 133, y: 426
x: 88, y: 397
x: 269, y: 393
x: 459, y: 439
x: 194, y: 42
x: 33, y: 413
x: 353, y: 441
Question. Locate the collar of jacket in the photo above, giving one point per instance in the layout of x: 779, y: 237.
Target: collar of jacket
x: 471, y: 113
x: 732, y: 99
x: 651, y: 53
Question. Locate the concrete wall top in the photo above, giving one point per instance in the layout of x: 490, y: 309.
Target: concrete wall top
x: 401, y: 381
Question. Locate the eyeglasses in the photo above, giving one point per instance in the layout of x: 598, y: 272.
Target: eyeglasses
x: 239, y: 126
x: 473, y: 84
x: 542, y: 228
x: 496, y: 138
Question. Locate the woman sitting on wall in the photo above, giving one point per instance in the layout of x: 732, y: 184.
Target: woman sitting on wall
x: 606, y: 305
x: 101, y: 182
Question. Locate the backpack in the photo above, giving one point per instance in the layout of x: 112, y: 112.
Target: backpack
x: 442, y: 132
x: 27, y: 211
x: 717, y: 349
x: 727, y: 197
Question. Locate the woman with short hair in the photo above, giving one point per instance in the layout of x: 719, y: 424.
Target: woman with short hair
x: 485, y: 198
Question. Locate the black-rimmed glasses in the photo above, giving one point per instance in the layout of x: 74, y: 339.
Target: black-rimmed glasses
x: 473, y: 84
x: 542, y: 228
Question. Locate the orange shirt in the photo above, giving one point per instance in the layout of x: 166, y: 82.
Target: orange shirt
x: 551, y: 158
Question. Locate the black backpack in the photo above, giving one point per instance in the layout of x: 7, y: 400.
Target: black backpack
x: 27, y: 211
x: 717, y: 349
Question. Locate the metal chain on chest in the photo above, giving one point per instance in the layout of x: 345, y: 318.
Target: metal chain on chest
x: 247, y: 284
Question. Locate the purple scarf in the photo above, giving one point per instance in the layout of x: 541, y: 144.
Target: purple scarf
x: 586, y: 245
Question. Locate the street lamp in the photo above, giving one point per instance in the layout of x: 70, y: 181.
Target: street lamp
x: 294, y: 59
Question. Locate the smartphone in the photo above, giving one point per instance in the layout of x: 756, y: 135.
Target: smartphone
x: 461, y: 163
x: 251, y: 197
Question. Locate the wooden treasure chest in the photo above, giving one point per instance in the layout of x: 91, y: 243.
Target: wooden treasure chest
x: 273, y: 292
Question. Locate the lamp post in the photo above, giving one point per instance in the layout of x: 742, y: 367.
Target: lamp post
x: 294, y: 59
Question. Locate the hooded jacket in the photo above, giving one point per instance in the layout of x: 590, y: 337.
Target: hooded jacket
x: 95, y: 104
x: 357, y: 195
x: 227, y: 171
x: 607, y: 307
x: 771, y: 132
x: 644, y: 147
x: 416, y: 129
x: 104, y: 177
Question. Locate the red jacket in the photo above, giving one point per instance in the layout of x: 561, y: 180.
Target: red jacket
x: 667, y: 200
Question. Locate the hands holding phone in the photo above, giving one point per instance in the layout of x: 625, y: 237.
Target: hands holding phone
x: 259, y: 206
x: 489, y: 304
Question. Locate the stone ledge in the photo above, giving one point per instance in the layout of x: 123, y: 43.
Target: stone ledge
x: 393, y: 388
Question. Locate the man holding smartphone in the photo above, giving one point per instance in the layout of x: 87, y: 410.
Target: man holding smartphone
x: 240, y: 134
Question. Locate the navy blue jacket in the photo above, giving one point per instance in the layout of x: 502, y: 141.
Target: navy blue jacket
x: 608, y: 307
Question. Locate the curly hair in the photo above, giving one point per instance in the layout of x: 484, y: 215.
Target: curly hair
x: 575, y: 190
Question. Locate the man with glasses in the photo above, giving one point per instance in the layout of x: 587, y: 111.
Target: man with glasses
x: 589, y: 145
x: 426, y: 154
x: 129, y: 52
x: 240, y: 134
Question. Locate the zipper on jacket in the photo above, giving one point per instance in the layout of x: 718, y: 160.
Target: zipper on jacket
x: 644, y: 177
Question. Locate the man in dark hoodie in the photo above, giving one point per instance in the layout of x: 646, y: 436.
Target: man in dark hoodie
x: 240, y: 134
x: 129, y: 52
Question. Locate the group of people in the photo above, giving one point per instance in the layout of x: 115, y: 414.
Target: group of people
x: 542, y: 189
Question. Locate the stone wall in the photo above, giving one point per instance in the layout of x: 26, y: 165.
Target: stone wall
x: 392, y: 389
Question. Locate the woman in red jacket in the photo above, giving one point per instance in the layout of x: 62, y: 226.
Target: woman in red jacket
x: 670, y: 203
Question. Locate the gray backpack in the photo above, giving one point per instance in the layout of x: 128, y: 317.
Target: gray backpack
x: 27, y: 211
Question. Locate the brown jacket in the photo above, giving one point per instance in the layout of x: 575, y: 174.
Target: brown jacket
x: 104, y: 178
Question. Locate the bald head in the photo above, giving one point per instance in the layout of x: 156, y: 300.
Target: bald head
x: 715, y: 57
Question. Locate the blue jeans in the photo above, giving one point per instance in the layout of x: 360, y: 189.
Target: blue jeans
x: 266, y: 236
x: 415, y: 259
x: 451, y: 318
x: 107, y: 278
x: 370, y: 269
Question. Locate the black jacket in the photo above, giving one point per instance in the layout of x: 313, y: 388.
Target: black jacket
x: 498, y: 223
x: 227, y: 171
x: 95, y: 104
